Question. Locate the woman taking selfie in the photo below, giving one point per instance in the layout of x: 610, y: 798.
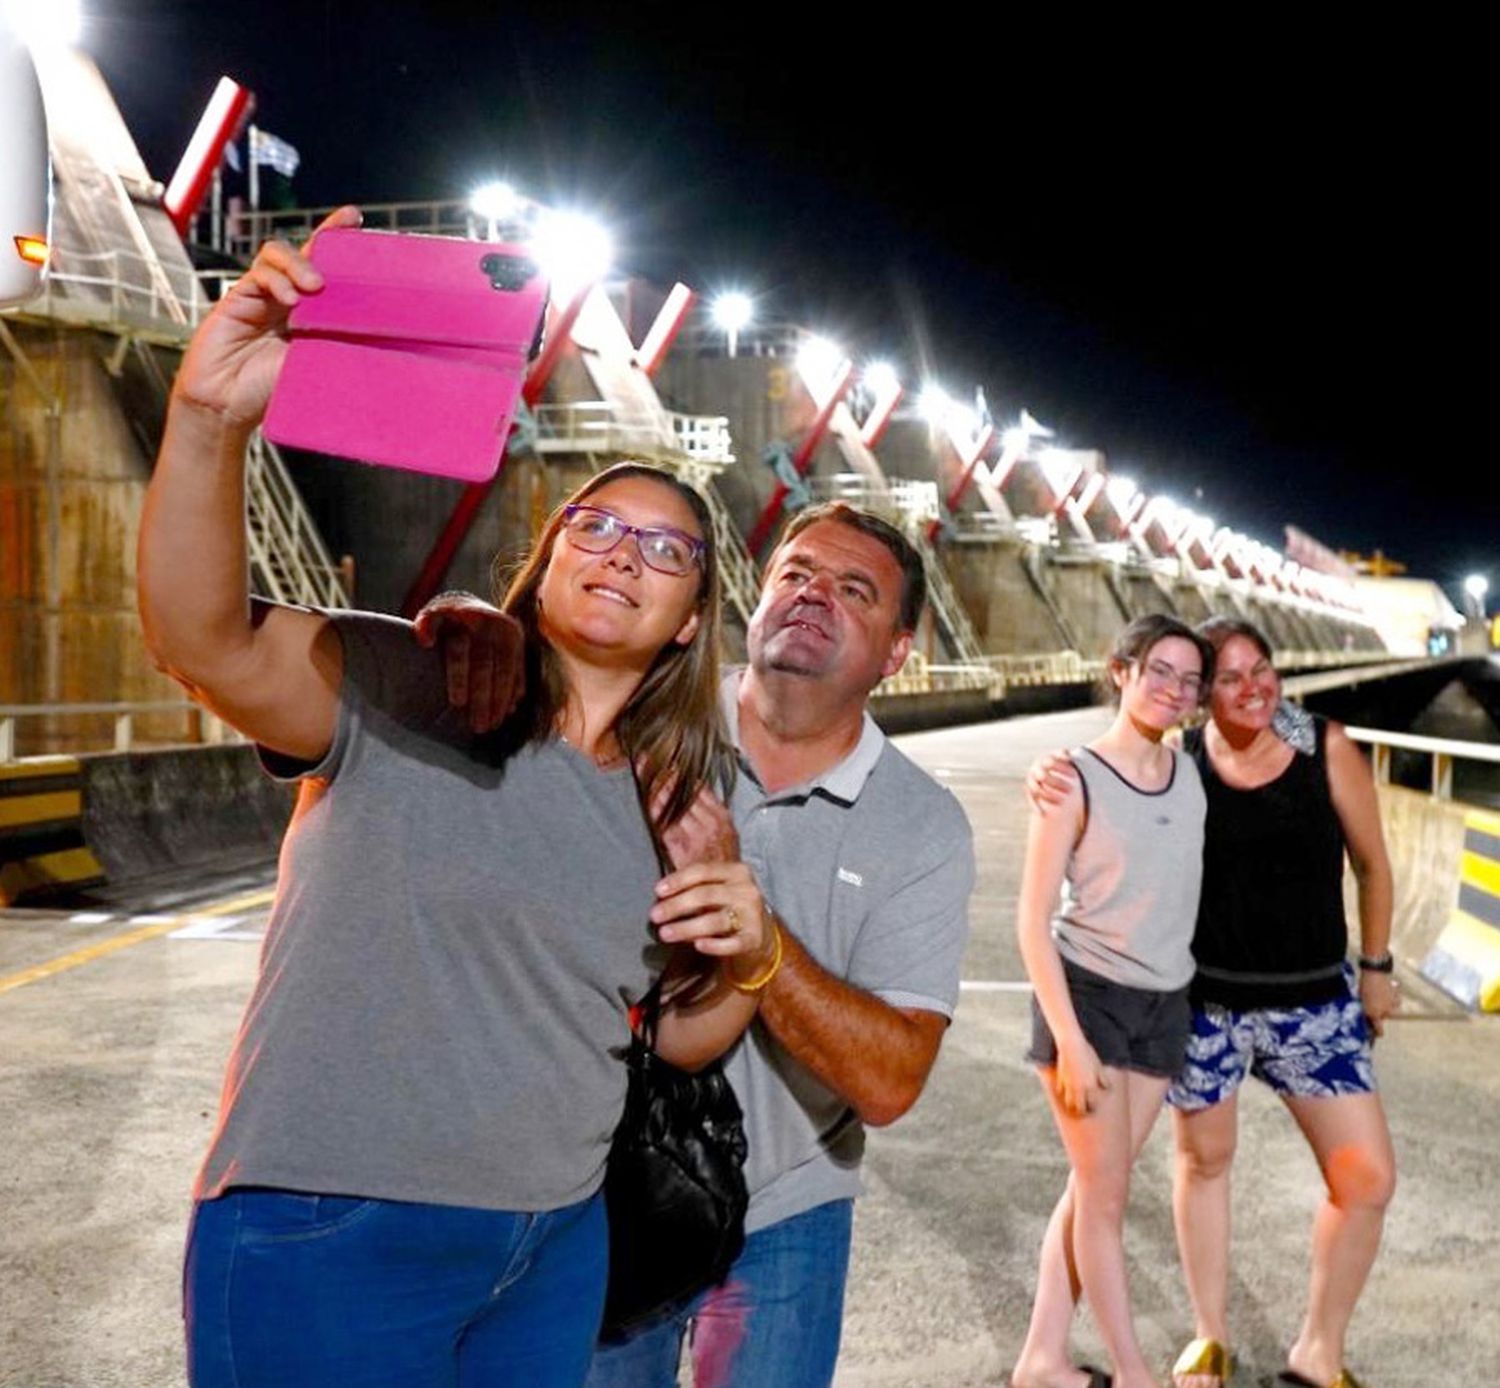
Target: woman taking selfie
x: 403, y: 1185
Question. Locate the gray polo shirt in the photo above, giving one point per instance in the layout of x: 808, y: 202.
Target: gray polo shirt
x: 870, y: 865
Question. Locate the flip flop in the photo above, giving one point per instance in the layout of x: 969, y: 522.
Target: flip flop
x: 1292, y: 1379
x: 1205, y: 1356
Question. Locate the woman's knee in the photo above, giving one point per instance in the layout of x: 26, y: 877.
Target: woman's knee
x: 1361, y: 1176
x: 1205, y: 1146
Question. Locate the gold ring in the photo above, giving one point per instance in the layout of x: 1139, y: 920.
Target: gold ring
x: 734, y: 919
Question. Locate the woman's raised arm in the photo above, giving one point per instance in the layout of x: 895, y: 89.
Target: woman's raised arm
x: 275, y: 680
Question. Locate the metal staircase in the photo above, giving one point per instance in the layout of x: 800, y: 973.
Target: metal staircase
x: 957, y: 629
x: 288, y: 559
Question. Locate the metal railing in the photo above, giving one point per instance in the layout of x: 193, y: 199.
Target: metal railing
x: 905, y: 502
x: 1053, y: 667
x: 205, y: 726
x: 594, y: 427
x: 125, y: 292
x: 244, y: 233
x: 288, y: 560
x: 920, y: 676
x: 1443, y: 751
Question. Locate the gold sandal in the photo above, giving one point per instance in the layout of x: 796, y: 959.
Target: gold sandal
x: 1205, y: 1356
x: 1343, y: 1379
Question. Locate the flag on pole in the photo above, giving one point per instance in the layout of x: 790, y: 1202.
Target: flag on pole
x: 266, y: 148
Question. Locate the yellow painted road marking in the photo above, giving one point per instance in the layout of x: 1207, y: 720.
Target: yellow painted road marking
x: 130, y: 937
x: 36, y: 809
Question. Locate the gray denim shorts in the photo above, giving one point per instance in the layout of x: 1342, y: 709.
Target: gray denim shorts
x: 1129, y: 1028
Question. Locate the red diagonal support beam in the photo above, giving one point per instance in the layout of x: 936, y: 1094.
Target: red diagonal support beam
x: 803, y: 457
x: 665, y: 329
x: 966, y: 475
x: 880, y: 418
x: 435, y: 567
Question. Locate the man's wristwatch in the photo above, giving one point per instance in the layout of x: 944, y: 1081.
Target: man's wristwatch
x: 1380, y: 964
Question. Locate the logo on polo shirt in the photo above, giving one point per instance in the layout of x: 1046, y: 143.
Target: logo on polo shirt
x: 852, y: 878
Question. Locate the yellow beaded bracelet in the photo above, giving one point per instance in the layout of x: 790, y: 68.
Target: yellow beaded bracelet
x: 759, y: 984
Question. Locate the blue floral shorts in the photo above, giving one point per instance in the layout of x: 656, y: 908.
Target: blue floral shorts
x: 1310, y: 1052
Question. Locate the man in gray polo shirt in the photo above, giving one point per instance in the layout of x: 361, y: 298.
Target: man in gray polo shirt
x: 868, y: 864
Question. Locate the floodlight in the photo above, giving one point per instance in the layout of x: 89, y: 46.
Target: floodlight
x: 573, y: 249
x: 733, y: 311
x: 1120, y: 490
x: 817, y: 360
x: 881, y: 378
x: 44, y: 23
x: 1477, y: 586
x: 495, y: 202
x: 934, y: 404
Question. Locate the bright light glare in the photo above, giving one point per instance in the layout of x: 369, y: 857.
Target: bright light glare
x: 733, y: 311
x: 44, y: 23
x: 573, y: 250
x: 881, y: 378
x: 1476, y: 586
x: 1061, y: 471
x: 818, y: 359
x: 1120, y: 490
x: 934, y: 404
x: 494, y: 201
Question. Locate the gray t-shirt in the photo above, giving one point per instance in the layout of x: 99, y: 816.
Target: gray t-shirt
x: 1130, y: 899
x: 870, y: 866
x: 456, y: 940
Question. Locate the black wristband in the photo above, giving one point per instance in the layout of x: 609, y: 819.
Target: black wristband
x: 1385, y: 964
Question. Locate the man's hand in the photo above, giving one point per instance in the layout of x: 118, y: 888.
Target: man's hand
x: 705, y: 834
x: 484, y: 655
x: 1048, y: 781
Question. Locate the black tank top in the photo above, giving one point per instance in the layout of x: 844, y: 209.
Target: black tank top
x: 1271, y: 930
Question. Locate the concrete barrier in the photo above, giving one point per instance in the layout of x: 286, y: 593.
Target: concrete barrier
x: 69, y: 824
x: 1425, y: 839
x: 42, y: 846
x: 1465, y: 959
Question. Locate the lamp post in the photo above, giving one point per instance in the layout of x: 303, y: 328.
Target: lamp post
x: 1476, y: 588
x: 733, y: 312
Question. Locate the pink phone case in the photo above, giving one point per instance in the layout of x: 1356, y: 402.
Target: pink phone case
x: 412, y: 355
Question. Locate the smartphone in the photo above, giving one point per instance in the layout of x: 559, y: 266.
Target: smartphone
x: 412, y: 355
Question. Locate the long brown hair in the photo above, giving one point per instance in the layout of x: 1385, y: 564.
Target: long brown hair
x: 670, y: 728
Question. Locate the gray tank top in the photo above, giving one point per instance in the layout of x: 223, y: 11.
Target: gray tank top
x: 1131, y: 895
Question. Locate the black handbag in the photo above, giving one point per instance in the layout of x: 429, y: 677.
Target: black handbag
x: 675, y: 1185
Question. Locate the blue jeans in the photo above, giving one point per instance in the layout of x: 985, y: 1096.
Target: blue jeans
x: 774, y: 1323
x: 288, y: 1290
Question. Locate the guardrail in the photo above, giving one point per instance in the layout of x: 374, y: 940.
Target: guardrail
x: 1054, y: 667
x: 1443, y: 751
x: 204, y: 725
x: 599, y: 427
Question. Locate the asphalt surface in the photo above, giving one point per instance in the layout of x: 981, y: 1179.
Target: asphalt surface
x: 109, y: 1078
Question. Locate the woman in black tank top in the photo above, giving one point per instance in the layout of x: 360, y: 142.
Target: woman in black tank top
x: 1270, y: 945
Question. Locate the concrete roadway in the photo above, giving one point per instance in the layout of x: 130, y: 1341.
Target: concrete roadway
x: 109, y: 1074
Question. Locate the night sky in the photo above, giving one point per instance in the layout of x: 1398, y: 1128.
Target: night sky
x: 1239, y: 252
